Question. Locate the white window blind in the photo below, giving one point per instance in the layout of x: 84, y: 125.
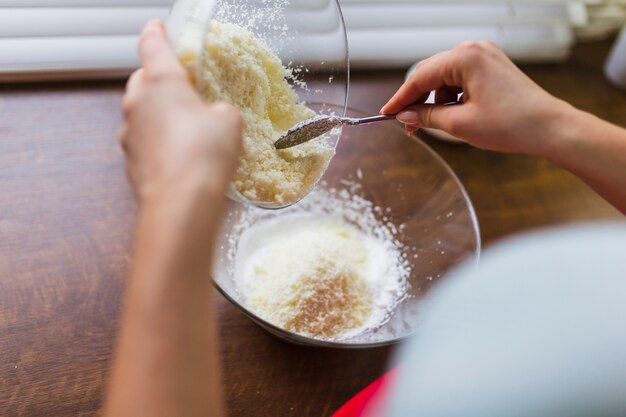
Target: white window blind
x: 50, y: 39
x: 93, y: 38
x: 404, y: 32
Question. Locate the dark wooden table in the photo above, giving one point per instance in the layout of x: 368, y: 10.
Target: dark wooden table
x: 66, y: 215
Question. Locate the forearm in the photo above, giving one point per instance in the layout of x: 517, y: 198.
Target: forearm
x: 166, y: 361
x: 592, y: 149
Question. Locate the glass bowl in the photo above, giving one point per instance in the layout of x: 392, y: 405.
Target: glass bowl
x: 419, y: 195
x: 309, y: 37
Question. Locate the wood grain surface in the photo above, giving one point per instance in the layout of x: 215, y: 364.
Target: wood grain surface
x: 66, y: 216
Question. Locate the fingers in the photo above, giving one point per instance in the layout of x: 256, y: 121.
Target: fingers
x: 449, y: 69
x: 227, y: 112
x: 122, y: 139
x: 409, y: 130
x: 157, y: 56
x: 134, y: 80
x: 392, y: 105
x: 433, y: 74
x: 447, y: 118
x: 231, y: 121
x: 133, y: 88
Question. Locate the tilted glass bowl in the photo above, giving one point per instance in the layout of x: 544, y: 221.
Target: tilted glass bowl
x: 308, y: 36
x: 415, y: 188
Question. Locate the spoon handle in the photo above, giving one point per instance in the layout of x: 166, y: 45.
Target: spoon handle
x: 373, y: 119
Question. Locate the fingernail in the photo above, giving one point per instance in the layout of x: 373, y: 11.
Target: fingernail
x: 408, y: 117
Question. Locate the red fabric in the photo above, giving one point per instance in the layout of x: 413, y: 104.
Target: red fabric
x: 375, y: 392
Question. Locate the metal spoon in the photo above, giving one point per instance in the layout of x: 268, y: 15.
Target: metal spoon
x: 318, y: 125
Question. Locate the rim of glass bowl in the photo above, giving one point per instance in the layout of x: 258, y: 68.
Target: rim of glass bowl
x: 309, y: 341
x: 191, y: 12
x: 199, y: 12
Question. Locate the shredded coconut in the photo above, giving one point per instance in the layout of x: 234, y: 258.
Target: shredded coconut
x: 307, y: 276
x: 325, y: 268
x: 242, y: 70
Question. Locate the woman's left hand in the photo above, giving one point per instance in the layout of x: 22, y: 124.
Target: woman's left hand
x: 170, y: 136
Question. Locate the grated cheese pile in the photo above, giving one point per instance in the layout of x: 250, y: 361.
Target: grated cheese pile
x: 309, y: 278
x: 314, y: 273
x: 241, y: 70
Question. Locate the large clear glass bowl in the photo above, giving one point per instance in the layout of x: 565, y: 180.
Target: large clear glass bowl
x: 308, y: 36
x: 415, y: 187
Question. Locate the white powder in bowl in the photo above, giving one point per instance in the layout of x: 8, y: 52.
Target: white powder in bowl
x: 242, y: 70
x: 318, y: 274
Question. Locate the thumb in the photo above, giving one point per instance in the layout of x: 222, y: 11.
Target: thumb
x: 157, y: 56
x: 430, y: 116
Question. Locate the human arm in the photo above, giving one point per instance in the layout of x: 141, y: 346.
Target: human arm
x: 181, y: 154
x: 505, y: 111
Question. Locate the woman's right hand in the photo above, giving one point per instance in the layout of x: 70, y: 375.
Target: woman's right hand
x: 502, y: 108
